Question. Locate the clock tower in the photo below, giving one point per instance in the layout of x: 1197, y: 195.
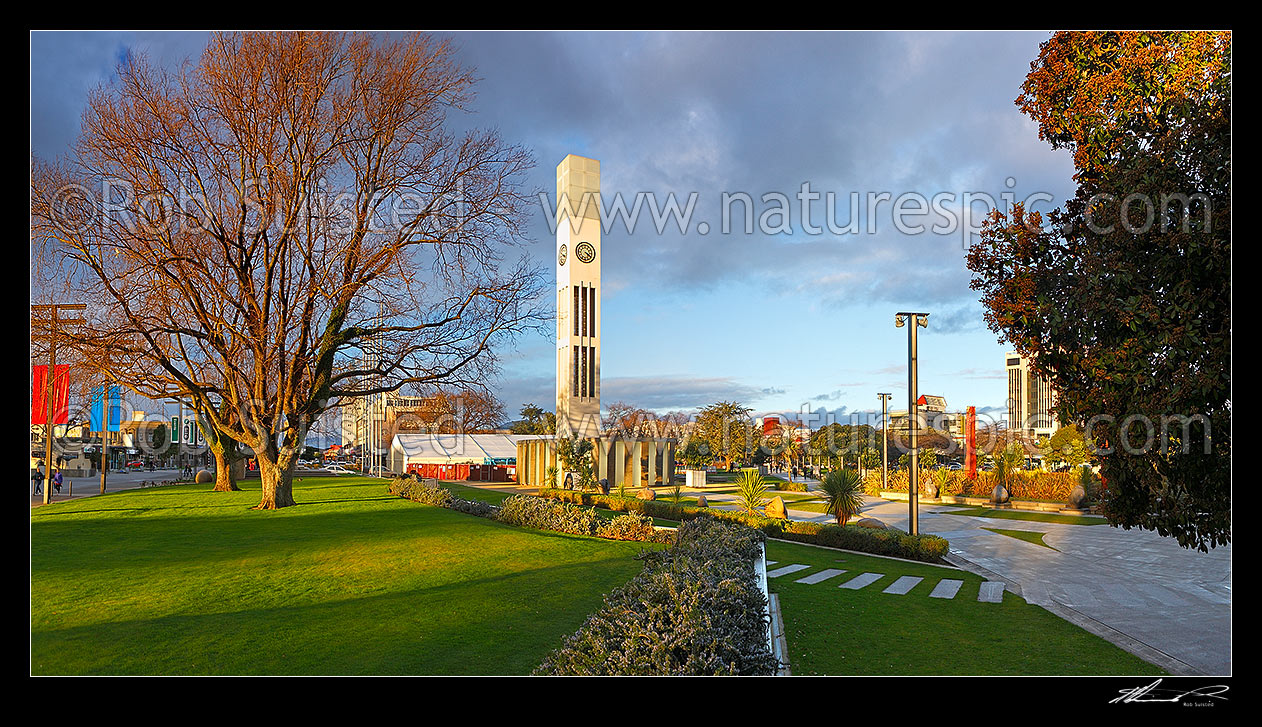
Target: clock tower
x: 578, y: 297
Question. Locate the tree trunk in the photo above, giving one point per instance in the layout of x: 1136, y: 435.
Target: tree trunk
x: 278, y: 489
x: 225, y: 477
x: 227, y: 453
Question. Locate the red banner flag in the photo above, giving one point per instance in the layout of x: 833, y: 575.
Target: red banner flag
x: 970, y: 443
x: 61, y: 394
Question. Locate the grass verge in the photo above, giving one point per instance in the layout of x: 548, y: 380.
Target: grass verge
x: 837, y: 631
x: 181, y: 580
x: 1031, y: 516
x: 1028, y: 536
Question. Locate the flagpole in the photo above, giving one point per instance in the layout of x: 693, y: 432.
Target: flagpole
x: 105, y: 435
x: 48, y: 410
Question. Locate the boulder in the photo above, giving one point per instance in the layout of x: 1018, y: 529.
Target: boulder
x: 999, y: 494
x: 775, y: 508
x: 1077, y: 497
x: 868, y: 522
x: 204, y: 477
x: 702, y: 502
x: 646, y: 493
x: 931, y: 489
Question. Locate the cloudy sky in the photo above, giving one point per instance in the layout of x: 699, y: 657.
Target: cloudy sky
x: 825, y: 133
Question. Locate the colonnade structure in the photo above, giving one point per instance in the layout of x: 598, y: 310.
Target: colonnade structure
x: 619, y: 461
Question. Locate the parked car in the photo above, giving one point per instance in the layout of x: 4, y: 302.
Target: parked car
x: 337, y: 469
x: 954, y: 466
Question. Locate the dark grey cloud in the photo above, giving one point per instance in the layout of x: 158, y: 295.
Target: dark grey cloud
x: 708, y: 113
x: 764, y: 112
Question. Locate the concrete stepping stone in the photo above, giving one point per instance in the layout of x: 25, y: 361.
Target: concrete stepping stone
x: 786, y: 570
x: 770, y: 562
x: 858, y: 582
x: 903, y: 585
x: 991, y: 592
x: 946, y: 588
x: 821, y: 576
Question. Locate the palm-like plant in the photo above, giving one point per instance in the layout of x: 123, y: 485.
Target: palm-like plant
x: 843, y: 494
x: 751, y: 491
x: 1011, y: 461
x: 1006, y: 465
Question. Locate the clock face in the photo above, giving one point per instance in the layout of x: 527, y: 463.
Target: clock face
x: 561, y: 255
x: 585, y: 252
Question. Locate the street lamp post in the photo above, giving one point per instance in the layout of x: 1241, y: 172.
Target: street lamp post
x: 885, y: 441
x: 913, y: 321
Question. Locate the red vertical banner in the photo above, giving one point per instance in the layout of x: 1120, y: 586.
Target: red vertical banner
x: 61, y: 394
x: 970, y: 443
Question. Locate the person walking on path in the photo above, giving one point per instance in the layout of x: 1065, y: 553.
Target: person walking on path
x: 57, y: 480
x: 37, y: 477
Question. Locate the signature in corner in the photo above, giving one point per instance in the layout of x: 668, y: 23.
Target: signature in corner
x: 1151, y: 693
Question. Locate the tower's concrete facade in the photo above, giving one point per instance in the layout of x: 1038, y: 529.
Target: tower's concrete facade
x: 578, y: 259
x: 618, y: 461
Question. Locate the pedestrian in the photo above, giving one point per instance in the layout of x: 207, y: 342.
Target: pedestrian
x: 57, y: 480
x: 38, y: 478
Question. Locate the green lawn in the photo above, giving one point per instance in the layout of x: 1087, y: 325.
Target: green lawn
x: 492, y: 497
x: 1028, y: 536
x: 1030, y: 515
x: 836, y: 631
x: 179, y: 580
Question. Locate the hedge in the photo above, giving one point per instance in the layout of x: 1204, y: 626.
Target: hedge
x: 428, y: 492
x: 1035, y: 485
x: 928, y: 548
x: 785, y: 486
x: 695, y: 609
x: 535, y: 512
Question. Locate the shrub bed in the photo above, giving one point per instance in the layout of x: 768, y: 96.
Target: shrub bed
x: 927, y: 548
x: 429, y: 492
x: 695, y: 609
x: 1036, y: 485
x: 632, y: 526
x: 535, y: 512
x: 785, y: 486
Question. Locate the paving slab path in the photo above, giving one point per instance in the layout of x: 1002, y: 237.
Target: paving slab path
x: 786, y: 570
x: 863, y: 580
x: 901, y: 586
x: 946, y: 588
x: 820, y: 577
x: 1142, y: 588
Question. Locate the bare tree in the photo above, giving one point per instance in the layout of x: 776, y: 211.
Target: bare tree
x: 288, y: 223
x: 468, y: 411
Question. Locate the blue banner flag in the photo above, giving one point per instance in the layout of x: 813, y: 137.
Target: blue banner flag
x: 96, y: 413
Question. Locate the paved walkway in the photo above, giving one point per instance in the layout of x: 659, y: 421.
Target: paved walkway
x: 77, y: 487
x: 1134, y: 583
x: 1169, y: 605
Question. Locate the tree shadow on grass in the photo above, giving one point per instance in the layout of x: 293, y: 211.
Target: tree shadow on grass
x: 503, y: 621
